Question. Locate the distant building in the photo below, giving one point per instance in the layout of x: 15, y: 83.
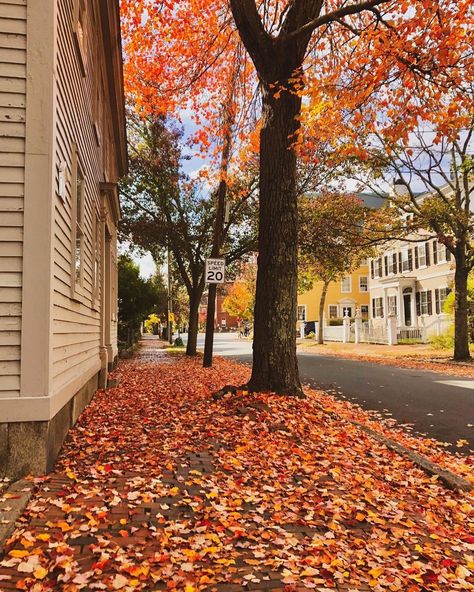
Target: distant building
x: 343, y: 298
x: 412, y: 281
x: 62, y: 150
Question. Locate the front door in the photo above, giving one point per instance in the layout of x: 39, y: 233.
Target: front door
x: 407, y: 309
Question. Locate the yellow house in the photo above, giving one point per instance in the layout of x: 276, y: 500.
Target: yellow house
x: 343, y: 297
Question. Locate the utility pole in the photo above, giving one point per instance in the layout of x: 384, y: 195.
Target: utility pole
x: 170, y: 299
x: 229, y: 121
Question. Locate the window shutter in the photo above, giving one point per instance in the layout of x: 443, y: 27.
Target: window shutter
x: 430, y: 302
x: 400, y: 269
x: 416, y: 258
x: 372, y: 268
x: 448, y: 254
x: 410, y: 259
x: 418, y: 307
x: 435, y: 252
x: 373, y: 308
x: 437, y: 304
x: 427, y: 252
x: 385, y: 260
x: 394, y: 263
x: 379, y: 267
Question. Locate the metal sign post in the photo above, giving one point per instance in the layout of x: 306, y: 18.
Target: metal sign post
x: 214, y: 274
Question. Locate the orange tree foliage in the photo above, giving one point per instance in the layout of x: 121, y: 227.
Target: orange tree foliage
x: 315, y: 66
x: 240, y: 299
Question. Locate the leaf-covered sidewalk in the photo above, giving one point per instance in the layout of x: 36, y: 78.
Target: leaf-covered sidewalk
x: 161, y: 487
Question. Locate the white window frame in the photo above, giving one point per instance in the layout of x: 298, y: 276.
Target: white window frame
x: 424, y: 303
x: 392, y: 305
x: 298, y: 316
x: 344, y: 279
x: 379, y: 308
x: 390, y: 265
x: 366, y: 312
x: 441, y: 253
x: 363, y: 277
x: 80, y: 33
x: 78, y: 204
x: 405, y: 260
x: 334, y: 307
x: 421, y: 249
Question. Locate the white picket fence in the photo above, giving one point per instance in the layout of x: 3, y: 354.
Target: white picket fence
x: 378, y: 332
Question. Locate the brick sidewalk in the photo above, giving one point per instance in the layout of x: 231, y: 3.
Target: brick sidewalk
x: 160, y: 487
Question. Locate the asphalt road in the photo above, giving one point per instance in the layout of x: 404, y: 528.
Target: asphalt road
x: 438, y: 405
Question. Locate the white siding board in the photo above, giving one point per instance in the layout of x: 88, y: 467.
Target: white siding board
x: 12, y: 163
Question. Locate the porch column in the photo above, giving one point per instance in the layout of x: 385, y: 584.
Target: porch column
x: 400, y: 311
x: 413, y: 307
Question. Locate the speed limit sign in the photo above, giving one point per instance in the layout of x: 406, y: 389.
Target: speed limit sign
x: 215, y: 271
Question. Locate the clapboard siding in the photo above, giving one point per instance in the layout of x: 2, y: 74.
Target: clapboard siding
x: 12, y: 178
x: 76, y: 323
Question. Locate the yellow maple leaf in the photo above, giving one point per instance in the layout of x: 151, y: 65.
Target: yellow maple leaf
x: 40, y: 573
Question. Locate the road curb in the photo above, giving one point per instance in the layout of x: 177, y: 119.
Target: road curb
x: 448, y: 478
x: 451, y: 480
x: 13, y: 501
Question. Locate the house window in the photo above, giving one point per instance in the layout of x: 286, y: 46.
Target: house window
x: 363, y: 283
x: 79, y: 30
x: 346, y: 284
x: 377, y: 307
x: 424, y: 304
x: 406, y: 260
x: 421, y: 253
x: 78, y: 186
x: 378, y: 267
x: 391, y: 264
x: 333, y: 311
x: 364, y: 311
x: 392, y: 305
x: 97, y: 253
x: 440, y: 298
x: 364, y: 262
x: 302, y: 312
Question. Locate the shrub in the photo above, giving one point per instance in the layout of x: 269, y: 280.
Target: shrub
x: 335, y: 322
x: 445, y: 340
x: 310, y: 335
x: 178, y: 342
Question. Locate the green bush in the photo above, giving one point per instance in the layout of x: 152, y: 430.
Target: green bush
x: 178, y: 342
x: 310, y: 335
x: 445, y: 340
x: 335, y: 322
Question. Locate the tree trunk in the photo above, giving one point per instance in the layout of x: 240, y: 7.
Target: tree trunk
x: 322, y: 300
x: 461, y: 332
x: 275, y: 366
x: 193, y: 329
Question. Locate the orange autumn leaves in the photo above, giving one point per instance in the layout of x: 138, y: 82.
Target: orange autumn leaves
x: 160, y: 486
x: 380, y: 71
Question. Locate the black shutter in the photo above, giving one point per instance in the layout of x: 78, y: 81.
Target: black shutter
x: 373, y: 308
x: 416, y: 258
x: 372, y: 268
x: 430, y: 302
x: 379, y: 267
x: 385, y: 260
x: 427, y: 252
x: 437, y: 303
x: 448, y: 254
x: 400, y: 268
x: 410, y: 260
x: 435, y: 252
x: 418, y: 307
